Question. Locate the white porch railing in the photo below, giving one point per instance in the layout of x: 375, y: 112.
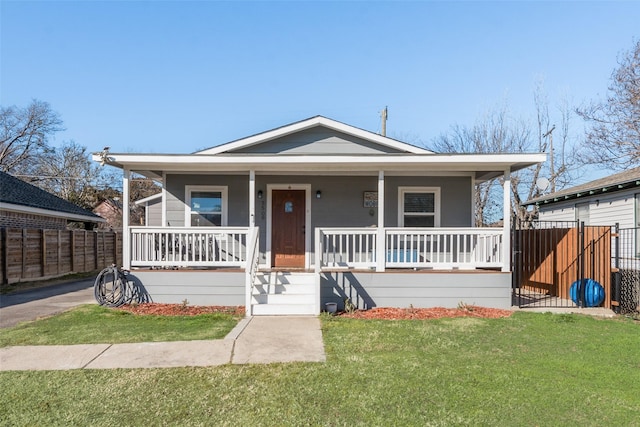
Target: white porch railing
x: 251, y: 267
x: 436, y: 248
x: 189, y: 246
x: 347, y: 247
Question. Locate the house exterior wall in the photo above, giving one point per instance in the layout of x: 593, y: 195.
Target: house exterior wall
x: 420, y: 290
x: 341, y: 203
x: 238, y: 192
x: 197, y: 287
x: 617, y: 207
x: 318, y: 141
x: 364, y: 289
x: 11, y: 219
x: 154, y: 213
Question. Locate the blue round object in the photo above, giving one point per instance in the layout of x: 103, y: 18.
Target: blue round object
x: 593, y: 292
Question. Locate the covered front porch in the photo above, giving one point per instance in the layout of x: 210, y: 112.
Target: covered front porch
x: 416, y: 267
x: 324, y: 211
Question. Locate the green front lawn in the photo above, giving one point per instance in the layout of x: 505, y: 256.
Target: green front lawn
x: 90, y: 324
x: 526, y: 370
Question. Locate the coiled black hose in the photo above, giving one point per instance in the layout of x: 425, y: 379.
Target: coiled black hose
x: 113, y: 289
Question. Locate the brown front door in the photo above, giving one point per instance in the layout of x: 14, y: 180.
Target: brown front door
x: 287, y: 232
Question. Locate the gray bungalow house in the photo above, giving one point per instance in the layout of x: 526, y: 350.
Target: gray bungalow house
x: 320, y: 211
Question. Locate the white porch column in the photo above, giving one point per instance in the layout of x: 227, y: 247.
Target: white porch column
x: 126, y: 234
x: 506, y: 223
x: 252, y: 198
x: 380, y: 253
x: 164, y: 199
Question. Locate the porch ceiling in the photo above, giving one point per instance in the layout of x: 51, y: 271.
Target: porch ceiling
x: 483, y: 166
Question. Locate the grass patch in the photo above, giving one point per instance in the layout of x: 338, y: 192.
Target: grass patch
x: 526, y: 370
x: 91, y: 324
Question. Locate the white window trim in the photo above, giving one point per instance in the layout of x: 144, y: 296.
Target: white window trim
x: 188, y: 189
x: 576, y: 210
x: 434, y: 190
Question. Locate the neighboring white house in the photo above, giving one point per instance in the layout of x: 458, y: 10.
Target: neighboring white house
x: 152, y: 210
x: 320, y: 211
x: 606, y: 201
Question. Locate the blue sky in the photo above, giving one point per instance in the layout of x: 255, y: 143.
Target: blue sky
x: 151, y: 76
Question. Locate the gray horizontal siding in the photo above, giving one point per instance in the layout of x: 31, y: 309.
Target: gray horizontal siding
x: 419, y: 290
x: 197, y: 287
x: 318, y: 140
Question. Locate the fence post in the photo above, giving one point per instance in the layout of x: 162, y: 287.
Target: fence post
x: 59, y: 249
x: 43, y: 250
x: 581, y: 291
x: 5, y: 256
x: 24, y: 253
x: 72, y: 238
x: 95, y: 250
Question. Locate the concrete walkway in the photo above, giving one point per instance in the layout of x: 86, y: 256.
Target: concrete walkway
x: 264, y: 339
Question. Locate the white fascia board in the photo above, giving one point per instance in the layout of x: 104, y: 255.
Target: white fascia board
x: 454, y: 162
x: 309, y: 123
x: 45, y: 212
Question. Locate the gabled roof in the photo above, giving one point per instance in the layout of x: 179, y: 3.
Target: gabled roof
x: 19, y: 196
x: 617, y: 182
x: 311, y: 123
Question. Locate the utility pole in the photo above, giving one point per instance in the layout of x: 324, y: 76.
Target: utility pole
x: 384, y: 115
x: 552, y: 172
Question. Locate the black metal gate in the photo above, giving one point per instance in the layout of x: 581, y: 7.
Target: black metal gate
x: 561, y: 264
x: 626, y: 271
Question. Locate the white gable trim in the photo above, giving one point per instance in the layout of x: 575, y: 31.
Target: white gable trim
x: 307, y: 124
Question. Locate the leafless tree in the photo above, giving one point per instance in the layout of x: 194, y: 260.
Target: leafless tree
x: 498, y: 132
x: 69, y: 173
x: 613, y: 137
x: 24, y: 135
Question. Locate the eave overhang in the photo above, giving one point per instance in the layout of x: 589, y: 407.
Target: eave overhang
x: 485, y: 166
x: 11, y: 207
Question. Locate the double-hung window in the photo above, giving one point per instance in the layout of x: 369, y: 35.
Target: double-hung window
x: 419, y: 207
x: 206, y: 206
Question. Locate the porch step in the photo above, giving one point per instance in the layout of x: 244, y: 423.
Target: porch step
x: 285, y: 278
x: 284, y: 293
x: 284, y: 309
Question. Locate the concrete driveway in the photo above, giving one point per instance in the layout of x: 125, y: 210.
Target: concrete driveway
x: 35, y: 303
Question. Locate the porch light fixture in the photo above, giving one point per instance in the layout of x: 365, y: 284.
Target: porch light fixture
x: 260, y: 194
x: 318, y: 194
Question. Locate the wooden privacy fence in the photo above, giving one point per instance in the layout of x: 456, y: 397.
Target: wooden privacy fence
x: 548, y: 261
x: 33, y: 254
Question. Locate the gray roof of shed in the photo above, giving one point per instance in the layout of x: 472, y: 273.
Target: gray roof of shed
x: 17, y: 192
x: 620, y: 181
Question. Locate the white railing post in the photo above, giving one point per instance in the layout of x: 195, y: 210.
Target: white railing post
x: 381, y: 249
x: 318, y: 267
x: 126, y: 236
x: 251, y: 266
x: 506, y: 223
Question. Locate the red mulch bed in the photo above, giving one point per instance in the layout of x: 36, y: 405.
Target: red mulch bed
x: 180, y: 309
x: 383, y: 313
x: 427, y: 313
